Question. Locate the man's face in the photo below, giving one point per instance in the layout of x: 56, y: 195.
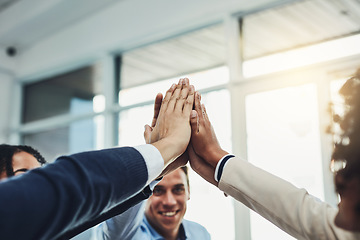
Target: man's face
x: 22, y: 162
x: 348, y: 216
x: 166, y: 208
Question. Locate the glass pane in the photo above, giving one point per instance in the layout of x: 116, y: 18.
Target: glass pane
x: 298, y: 24
x: 70, y: 93
x: 305, y: 56
x: 188, y: 53
x: 283, y: 137
x: 131, y: 128
x: 79, y: 136
x: 201, y: 80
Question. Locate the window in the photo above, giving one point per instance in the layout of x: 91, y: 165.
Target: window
x: 82, y: 135
x: 283, y: 139
x: 70, y: 93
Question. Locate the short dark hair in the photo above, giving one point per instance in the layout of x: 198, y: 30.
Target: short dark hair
x: 186, y: 171
x: 7, y: 152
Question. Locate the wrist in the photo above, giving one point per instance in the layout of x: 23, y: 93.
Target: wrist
x: 214, y: 156
x: 168, y: 150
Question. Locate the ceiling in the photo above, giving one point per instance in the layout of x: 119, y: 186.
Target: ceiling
x: 265, y: 32
x: 296, y: 24
x: 6, y: 3
x: 299, y: 24
x: 22, y: 24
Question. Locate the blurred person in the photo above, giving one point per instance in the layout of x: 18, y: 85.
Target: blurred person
x: 162, y: 215
x: 291, y: 209
x: 17, y: 159
x: 47, y: 202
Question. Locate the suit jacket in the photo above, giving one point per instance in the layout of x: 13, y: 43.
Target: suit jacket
x: 291, y: 209
x: 49, y: 202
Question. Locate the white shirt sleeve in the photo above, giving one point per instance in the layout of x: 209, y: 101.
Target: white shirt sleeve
x: 153, y: 159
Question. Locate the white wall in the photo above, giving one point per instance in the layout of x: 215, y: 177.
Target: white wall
x: 7, y: 79
x: 123, y: 25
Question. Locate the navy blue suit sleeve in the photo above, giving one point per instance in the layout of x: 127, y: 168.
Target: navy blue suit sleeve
x: 47, y: 202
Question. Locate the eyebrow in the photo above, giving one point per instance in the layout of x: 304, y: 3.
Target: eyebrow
x: 21, y: 170
x: 179, y: 185
x: 176, y: 185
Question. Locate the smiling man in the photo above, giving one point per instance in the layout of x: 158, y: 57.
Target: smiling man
x: 162, y: 217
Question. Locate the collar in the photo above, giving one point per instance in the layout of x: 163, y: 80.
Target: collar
x: 181, y: 235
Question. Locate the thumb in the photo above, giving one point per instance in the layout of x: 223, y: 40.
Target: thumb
x: 147, y: 133
x: 194, y: 121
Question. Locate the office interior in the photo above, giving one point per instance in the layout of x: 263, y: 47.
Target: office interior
x: 83, y: 74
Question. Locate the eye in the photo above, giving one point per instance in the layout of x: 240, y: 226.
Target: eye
x: 158, y: 191
x: 179, y: 190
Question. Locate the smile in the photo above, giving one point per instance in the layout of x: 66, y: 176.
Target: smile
x: 169, y: 214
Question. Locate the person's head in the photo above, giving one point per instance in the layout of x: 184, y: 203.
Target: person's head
x: 347, y: 151
x: 166, y: 208
x: 17, y: 159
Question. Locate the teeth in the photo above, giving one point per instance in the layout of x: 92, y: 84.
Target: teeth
x: 168, y: 214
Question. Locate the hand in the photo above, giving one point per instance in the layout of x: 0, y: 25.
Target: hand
x: 203, y: 138
x: 171, y: 131
x: 180, y: 161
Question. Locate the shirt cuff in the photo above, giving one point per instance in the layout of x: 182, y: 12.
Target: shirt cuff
x: 153, y: 159
x: 220, y: 166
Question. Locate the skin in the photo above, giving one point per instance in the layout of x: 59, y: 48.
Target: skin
x: 22, y: 162
x: 205, y: 152
x: 166, y: 208
x: 150, y: 133
x: 347, y: 217
x: 172, y: 131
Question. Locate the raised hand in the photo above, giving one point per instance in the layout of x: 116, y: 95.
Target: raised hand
x: 180, y: 161
x: 170, y: 131
x: 203, y: 137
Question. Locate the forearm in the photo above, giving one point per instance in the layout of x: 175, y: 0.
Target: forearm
x: 288, y: 207
x: 69, y: 192
x: 121, y: 227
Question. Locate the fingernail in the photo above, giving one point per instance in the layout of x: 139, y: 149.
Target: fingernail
x: 181, y: 81
x: 173, y: 85
x: 193, y: 114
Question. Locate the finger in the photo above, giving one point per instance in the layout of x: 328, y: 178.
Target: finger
x: 198, y: 104
x: 194, y: 122
x: 176, y: 95
x: 183, y: 94
x: 189, y: 102
x: 166, y: 100
x: 186, y: 81
x: 147, y: 133
x: 157, y: 105
x: 203, y: 109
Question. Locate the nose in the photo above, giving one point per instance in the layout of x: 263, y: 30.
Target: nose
x: 169, y: 199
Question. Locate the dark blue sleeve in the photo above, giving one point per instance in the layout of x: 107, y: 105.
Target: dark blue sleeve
x: 46, y: 202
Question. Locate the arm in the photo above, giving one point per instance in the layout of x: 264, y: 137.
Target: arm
x: 288, y: 207
x: 291, y: 209
x: 121, y: 227
x: 46, y: 202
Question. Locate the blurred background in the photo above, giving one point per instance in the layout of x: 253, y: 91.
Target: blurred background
x: 82, y: 74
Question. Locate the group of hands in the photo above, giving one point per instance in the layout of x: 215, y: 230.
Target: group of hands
x: 182, y: 132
